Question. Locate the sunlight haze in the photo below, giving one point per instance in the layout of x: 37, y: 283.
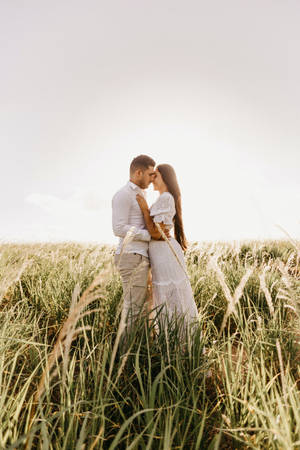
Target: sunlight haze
x: 211, y: 88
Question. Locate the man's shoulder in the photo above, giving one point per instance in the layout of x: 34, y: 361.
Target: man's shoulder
x: 123, y: 193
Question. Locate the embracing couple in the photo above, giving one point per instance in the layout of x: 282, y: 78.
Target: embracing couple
x: 152, y: 244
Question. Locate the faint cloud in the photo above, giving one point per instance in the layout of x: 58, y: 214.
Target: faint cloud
x: 82, y: 216
x: 81, y: 200
x: 47, y: 203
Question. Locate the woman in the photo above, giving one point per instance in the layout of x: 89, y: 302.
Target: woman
x: 172, y: 290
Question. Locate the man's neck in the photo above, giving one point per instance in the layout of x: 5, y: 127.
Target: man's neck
x: 135, y: 183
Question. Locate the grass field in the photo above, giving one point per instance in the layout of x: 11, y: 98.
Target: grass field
x: 65, y: 384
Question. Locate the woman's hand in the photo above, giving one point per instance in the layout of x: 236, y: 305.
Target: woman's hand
x: 142, y: 202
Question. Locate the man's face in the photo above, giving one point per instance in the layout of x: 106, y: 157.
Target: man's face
x: 146, y: 177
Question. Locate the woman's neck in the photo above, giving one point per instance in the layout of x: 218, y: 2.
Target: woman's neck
x: 163, y: 189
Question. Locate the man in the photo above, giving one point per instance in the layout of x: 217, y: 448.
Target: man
x: 133, y: 260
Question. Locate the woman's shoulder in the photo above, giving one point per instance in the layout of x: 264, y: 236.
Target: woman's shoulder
x: 166, y: 194
x: 167, y: 198
x: 164, y: 202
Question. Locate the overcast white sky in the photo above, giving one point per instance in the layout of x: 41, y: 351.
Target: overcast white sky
x: 211, y: 87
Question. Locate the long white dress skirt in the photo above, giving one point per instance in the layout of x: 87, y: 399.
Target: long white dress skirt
x: 172, y: 291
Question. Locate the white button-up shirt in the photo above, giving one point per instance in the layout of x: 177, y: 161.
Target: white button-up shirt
x: 126, y: 214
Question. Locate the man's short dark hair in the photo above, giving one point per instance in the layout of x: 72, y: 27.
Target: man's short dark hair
x: 141, y: 162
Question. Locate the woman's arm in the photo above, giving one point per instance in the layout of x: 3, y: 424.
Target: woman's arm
x: 150, y: 224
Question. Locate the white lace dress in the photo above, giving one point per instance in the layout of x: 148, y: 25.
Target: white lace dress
x: 171, y: 286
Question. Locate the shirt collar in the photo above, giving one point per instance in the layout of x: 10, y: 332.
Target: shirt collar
x: 135, y: 187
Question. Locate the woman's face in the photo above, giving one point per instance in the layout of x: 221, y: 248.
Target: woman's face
x: 158, y: 182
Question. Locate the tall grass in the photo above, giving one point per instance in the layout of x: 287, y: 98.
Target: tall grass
x: 65, y: 384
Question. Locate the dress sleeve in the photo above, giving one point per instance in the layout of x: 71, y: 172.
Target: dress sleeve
x: 163, y: 210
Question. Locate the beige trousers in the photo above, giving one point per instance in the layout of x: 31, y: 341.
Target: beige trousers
x: 133, y: 269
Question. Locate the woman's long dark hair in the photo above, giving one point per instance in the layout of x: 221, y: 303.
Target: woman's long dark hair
x: 169, y: 177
